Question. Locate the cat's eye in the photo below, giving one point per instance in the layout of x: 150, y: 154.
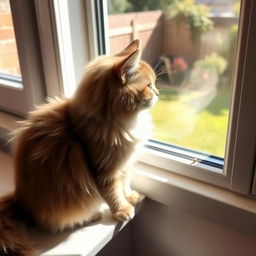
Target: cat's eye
x: 149, y: 85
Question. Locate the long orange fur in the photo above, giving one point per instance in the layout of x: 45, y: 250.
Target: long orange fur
x: 73, y: 153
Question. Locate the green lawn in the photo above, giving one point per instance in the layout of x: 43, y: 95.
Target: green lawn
x: 178, y: 120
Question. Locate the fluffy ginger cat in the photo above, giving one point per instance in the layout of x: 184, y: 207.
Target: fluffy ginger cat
x: 73, y: 153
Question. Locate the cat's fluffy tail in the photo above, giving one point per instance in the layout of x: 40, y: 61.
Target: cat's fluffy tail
x: 14, y: 240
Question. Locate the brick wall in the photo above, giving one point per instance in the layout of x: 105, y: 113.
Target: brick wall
x: 9, y: 62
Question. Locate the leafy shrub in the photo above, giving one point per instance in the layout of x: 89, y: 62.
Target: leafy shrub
x: 195, y: 15
x: 213, y: 61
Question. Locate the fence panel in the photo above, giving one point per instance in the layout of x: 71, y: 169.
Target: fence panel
x: 161, y: 36
x: 147, y: 26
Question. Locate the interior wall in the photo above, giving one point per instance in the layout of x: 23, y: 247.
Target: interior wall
x: 159, y: 230
x: 120, y: 244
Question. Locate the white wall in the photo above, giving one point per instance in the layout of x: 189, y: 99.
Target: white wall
x: 159, y: 230
x: 120, y: 245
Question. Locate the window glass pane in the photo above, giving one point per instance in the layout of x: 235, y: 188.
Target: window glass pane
x: 191, y: 45
x: 9, y: 62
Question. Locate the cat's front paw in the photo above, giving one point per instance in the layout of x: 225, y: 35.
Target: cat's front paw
x: 133, y: 197
x: 124, y: 213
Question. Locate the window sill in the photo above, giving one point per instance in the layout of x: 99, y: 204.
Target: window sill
x: 85, y: 241
x: 204, y: 200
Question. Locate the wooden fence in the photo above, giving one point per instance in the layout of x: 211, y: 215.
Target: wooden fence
x: 147, y: 26
x: 161, y: 36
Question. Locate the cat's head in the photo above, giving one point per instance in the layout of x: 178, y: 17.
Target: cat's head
x: 119, y: 83
x: 136, y: 78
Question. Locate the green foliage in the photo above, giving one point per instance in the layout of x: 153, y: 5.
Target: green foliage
x: 195, y: 15
x: 231, y: 42
x: 236, y: 8
x: 119, y: 6
x: 233, y: 34
x: 213, y: 61
x: 177, y: 123
x: 122, y: 6
x: 231, y: 47
x: 147, y: 5
x: 227, y: 49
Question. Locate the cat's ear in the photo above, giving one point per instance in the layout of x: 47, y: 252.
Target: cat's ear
x: 131, y: 48
x: 128, y: 66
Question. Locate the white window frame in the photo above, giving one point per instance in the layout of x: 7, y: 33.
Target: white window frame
x: 23, y: 95
x: 242, y: 138
x: 53, y: 50
x: 68, y: 44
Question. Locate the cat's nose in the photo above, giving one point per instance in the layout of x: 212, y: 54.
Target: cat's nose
x: 156, y: 92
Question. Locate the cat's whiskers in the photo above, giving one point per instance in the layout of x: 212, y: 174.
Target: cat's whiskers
x: 163, y: 70
x: 159, y: 61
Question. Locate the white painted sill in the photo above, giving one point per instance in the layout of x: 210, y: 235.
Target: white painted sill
x: 204, y: 200
x: 160, y: 181
x: 85, y: 241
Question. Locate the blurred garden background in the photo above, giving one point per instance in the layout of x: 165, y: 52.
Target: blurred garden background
x: 191, y: 45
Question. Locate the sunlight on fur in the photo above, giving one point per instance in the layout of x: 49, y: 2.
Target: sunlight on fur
x: 73, y: 154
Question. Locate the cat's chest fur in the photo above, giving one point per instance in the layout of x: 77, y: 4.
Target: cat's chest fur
x: 112, y: 145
